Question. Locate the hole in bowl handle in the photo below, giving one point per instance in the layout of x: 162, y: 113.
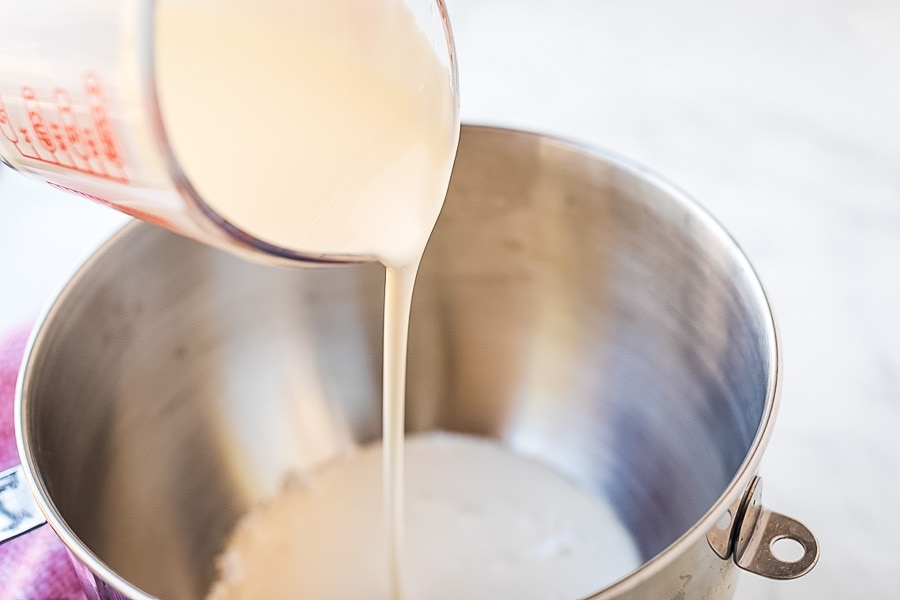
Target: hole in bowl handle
x: 760, y: 529
x: 19, y: 513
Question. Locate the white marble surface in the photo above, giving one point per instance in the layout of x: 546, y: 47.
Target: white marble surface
x: 783, y: 118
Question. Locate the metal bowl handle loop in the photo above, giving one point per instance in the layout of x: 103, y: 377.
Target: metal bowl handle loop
x: 760, y: 529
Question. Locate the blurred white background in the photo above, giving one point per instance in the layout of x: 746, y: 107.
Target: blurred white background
x: 782, y: 117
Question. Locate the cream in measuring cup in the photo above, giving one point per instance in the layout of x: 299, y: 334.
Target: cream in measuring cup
x: 322, y: 126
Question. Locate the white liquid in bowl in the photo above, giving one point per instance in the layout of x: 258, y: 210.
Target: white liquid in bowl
x: 480, y: 523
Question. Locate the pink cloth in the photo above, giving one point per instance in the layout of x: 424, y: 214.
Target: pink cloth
x: 36, y: 565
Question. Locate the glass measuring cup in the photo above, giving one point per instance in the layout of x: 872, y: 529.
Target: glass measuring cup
x: 81, y: 108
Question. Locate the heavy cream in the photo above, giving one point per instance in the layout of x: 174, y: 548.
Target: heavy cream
x: 325, y: 127
x: 481, y: 523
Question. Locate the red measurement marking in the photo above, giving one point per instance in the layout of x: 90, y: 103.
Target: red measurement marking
x: 68, y: 131
x: 62, y: 132
x: 70, y: 125
x: 445, y: 21
x: 102, y: 124
x: 6, y: 126
x: 37, y: 119
x: 442, y: 9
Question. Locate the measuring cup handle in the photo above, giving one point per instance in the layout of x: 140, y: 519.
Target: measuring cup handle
x: 19, y: 513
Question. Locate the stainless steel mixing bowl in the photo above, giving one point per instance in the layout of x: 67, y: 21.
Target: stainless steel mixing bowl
x: 570, y: 304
